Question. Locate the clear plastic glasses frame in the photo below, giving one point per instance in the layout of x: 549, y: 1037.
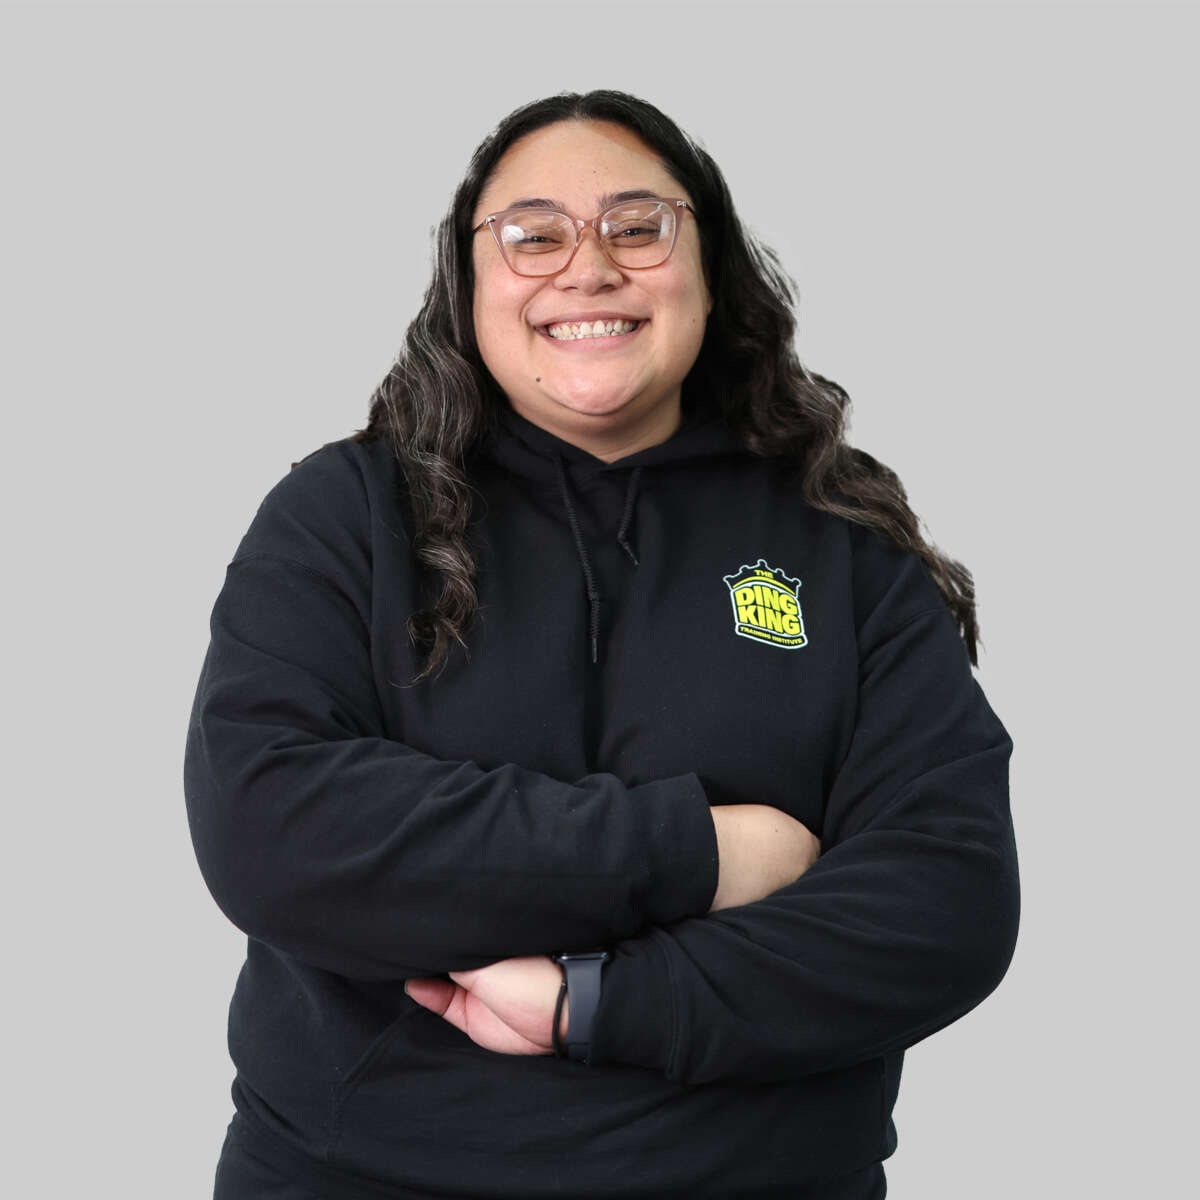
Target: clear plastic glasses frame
x: 493, y: 221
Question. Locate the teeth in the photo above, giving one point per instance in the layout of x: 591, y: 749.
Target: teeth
x: 572, y: 331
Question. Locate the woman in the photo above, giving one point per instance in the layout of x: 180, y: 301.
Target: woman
x: 580, y: 646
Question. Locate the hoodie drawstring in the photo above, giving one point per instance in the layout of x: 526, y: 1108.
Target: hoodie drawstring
x: 630, y: 493
x: 593, y: 593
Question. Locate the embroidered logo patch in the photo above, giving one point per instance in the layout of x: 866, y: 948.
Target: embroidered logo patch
x: 766, y: 606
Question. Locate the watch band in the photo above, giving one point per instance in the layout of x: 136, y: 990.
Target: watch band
x: 581, y: 984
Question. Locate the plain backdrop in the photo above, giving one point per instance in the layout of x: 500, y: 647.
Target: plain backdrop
x: 217, y: 224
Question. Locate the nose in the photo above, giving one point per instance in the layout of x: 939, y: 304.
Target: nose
x: 590, y: 268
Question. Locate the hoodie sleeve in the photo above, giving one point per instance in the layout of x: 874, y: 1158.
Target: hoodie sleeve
x: 907, y: 920
x: 322, y: 836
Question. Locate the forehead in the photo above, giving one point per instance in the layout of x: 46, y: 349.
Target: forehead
x: 579, y: 166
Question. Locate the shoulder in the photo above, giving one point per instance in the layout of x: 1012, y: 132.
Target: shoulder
x: 320, y: 513
x: 891, y: 583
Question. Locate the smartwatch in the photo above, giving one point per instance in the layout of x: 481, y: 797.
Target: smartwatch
x: 581, y: 982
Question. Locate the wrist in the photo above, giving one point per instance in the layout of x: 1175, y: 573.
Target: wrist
x: 578, y: 1000
x: 564, y: 1023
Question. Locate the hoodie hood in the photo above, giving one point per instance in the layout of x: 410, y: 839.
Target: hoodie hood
x: 560, y: 471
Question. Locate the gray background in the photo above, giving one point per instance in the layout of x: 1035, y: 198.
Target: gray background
x: 216, y: 227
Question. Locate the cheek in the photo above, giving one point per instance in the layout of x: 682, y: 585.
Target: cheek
x: 490, y: 312
x: 690, y: 303
x: 499, y: 306
x: 687, y: 294
x: 501, y: 332
x: 488, y: 295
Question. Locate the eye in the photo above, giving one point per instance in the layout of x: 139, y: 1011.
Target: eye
x: 533, y: 231
x: 638, y: 234
x: 639, y: 224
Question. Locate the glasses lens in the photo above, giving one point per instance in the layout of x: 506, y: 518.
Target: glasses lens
x: 639, y: 234
x: 537, y: 242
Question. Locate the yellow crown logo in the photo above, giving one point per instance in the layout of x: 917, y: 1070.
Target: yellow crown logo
x: 766, y: 605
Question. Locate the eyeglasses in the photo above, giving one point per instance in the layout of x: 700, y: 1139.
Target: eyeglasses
x: 539, y: 241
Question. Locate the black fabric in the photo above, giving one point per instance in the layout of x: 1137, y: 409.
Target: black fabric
x: 242, y: 1174
x: 253, y: 1165
x: 656, y: 635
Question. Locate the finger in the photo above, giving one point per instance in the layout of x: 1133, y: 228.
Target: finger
x: 452, y: 1007
x: 435, y: 994
x: 471, y: 1016
x: 512, y: 986
x: 490, y: 1030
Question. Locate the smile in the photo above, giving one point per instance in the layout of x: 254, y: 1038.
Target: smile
x: 592, y: 334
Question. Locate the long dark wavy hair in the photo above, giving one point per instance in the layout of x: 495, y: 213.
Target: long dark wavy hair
x: 439, y: 397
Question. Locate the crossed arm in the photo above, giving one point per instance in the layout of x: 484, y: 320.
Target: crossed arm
x: 354, y: 853
x: 508, y: 1006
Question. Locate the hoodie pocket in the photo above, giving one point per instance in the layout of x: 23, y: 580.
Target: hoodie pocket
x: 347, y: 1086
x: 426, y: 1108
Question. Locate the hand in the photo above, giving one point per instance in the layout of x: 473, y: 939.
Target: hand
x: 761, y: 849
x: 507, y: 1006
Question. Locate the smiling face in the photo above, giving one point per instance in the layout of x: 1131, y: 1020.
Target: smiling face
x: 612, y: 396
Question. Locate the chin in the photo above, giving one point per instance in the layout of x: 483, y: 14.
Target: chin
x: 593, y: 408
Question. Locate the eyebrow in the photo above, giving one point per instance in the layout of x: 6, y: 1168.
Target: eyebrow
x: 606, y: 201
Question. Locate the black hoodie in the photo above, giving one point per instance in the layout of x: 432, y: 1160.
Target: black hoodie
x: 655, y: 635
